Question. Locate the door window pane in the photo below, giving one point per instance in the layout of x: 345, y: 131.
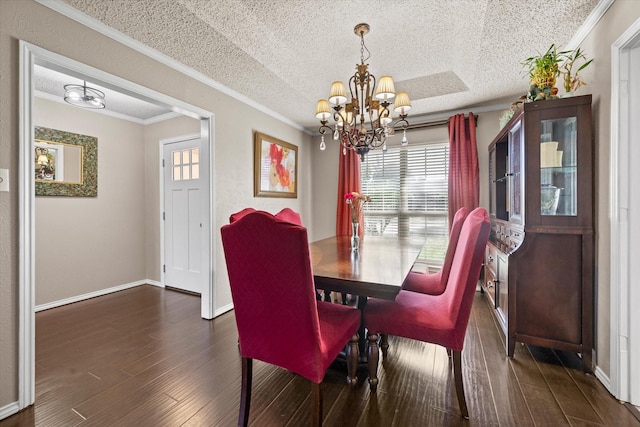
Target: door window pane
x: 189, y: 159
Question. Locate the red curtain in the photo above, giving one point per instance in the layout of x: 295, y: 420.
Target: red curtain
x: 348, y: 181
x: 464, y: 173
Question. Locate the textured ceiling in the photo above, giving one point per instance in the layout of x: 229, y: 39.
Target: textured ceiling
x: 284, y: 55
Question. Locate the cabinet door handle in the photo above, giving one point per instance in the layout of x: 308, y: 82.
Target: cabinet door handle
x: 489, y: 284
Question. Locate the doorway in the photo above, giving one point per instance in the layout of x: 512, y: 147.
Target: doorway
x: 625, y: 216
x: 182, y: 221
x: 30, y: 55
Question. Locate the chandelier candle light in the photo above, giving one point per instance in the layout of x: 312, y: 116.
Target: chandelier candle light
x: 369, y: 108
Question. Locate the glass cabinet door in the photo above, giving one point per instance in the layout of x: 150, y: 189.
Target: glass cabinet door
x: 492, y: 183
x: 515, y: 172
x: 558, y: 166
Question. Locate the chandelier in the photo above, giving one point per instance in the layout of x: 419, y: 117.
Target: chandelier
x: 84, y: 96
x: 365, y: 122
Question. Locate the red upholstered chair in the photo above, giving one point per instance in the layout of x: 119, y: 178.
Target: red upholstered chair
x: 278, y: 318
x: 290, y: 215
x: 435, y: 283
x: 439, y: 319
x: 236, y: 216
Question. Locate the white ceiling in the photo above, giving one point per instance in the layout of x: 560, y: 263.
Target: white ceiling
x: 284, y: 54
x: 50, y: 84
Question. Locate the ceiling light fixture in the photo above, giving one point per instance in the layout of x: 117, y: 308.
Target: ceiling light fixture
x: 84, y: 96
x: 369, y: 108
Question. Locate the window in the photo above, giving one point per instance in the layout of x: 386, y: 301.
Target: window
x: 186, y: 164
x: 409, y: 196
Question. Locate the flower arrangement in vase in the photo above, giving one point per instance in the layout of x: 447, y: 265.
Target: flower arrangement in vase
x: 355, y: 201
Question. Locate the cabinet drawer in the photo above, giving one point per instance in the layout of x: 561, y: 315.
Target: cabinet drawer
x: 489, y: 286
x: 490, y: 270
x: 490, y: 256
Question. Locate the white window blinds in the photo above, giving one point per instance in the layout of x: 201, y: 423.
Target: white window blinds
x: 409, y: 198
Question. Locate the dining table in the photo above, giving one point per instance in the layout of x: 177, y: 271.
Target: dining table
x: 376, y: 269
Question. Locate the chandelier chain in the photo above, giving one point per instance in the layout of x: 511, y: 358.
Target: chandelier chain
x: 362, y: 49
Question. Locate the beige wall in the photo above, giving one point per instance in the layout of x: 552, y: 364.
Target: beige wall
x: 233, y: 152
x: 85, y: 244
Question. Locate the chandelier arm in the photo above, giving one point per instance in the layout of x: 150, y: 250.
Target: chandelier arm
x: 336, y: 112
x: 369, y: 92
x: 353, y: 90
x: 402, y: 120
x: 323, y: 129
x: 365, y: 79
x: 347, y: 135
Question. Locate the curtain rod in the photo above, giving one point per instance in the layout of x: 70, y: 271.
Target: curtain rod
x: 434, y: 123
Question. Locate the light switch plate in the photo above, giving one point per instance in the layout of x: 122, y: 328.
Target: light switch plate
x: 4, y: 179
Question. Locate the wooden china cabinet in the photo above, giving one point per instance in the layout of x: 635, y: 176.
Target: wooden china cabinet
x: 539, y: 261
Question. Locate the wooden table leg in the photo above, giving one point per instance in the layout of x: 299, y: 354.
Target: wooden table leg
x: 362, y: 336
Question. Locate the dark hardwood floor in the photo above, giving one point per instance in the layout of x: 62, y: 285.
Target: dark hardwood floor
x: 144, y: 357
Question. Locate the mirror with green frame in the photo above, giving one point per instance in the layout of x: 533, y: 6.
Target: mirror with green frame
x: 65, y: 163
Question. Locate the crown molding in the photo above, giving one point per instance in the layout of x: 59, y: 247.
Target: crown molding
x: 589, y: 24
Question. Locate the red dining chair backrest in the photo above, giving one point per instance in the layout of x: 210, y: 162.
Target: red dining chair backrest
x: 435, y: 283
x: 278, y: 318
x: 236, y: 216
x: 290, y: 215
x: 439, y: 319
x: 265, y: 256
x: 465, y: 271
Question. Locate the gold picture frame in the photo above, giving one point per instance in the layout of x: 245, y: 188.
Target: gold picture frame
x: 275, y: 167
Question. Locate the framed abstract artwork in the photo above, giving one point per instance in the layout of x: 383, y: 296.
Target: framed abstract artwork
x: 275, y: 167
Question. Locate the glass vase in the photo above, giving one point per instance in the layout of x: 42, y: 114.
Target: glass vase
x: 355, y: 239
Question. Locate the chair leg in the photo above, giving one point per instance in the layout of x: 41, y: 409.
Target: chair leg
x: 384, y: 344
x: 245, y: 392
x: 352, y: 361
x: 457, y: 375
x: 316, y: 404
x: 372, y: 355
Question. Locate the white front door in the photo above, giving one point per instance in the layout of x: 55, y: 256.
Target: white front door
x: 182, y: 215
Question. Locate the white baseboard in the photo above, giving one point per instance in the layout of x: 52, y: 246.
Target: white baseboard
x: 604, y: 379
x: 8, y: 410
x: 223, y: 310
x: 101, y: 292
x: 94, y: 294
x: 154, y: 283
